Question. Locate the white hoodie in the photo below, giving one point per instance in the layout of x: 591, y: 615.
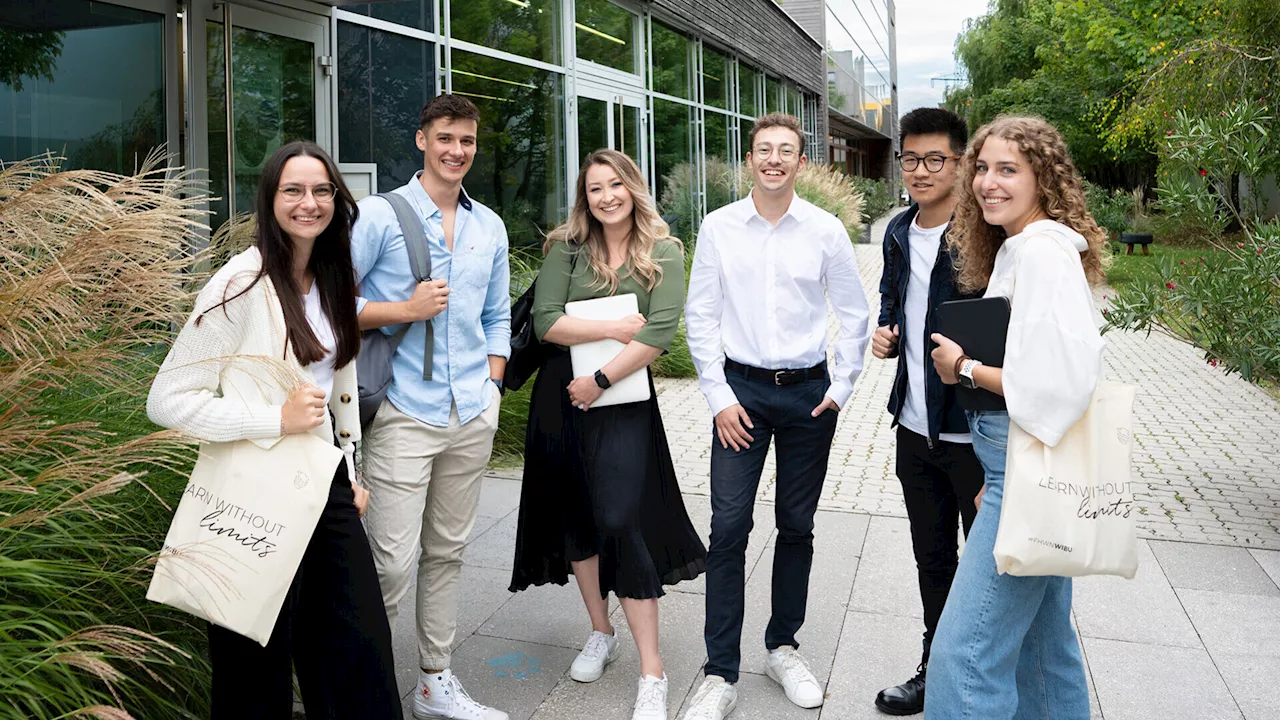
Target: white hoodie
x: 1053, y: 352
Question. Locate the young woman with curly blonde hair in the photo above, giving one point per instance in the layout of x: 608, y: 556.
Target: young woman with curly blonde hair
x: 1005, y: 647
x: 600, y: 497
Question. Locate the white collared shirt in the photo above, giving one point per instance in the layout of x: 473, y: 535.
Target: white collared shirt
x: 758, y: 294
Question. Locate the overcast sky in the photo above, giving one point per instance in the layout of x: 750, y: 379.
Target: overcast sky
x: 927, y: 31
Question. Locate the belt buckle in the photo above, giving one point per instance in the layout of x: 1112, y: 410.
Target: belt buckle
x: 777, y: 378
x: 783, y: 378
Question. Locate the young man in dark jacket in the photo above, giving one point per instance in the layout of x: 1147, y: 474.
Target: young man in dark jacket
x: 940, y: 475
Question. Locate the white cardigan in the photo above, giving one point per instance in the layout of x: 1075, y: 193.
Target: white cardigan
x: 208, y: 388
x: 1053, y: 351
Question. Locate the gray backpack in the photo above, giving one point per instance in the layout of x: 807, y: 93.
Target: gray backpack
x: 373, y: 364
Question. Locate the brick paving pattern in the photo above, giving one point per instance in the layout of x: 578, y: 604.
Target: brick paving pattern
x: 1204, y: 458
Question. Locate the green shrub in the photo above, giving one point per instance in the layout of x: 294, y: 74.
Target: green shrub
x: 1110, y: 208
x: 877, y: 200
x: 1226, y: 303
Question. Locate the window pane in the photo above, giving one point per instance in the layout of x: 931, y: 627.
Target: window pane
x: 748, y: 97
x: 384, y: 79
x: 81, y: 79
x: 418, y: 14
x: 593, y: 127
x: 716, y: 75
x: 793, y: 101
x: 605, y: 35
x: 273, y: 103
x: 626, y: 131
x: 719, y: 173
x: 519, y: 166
x: 744, y: 127
x: 673, y: 155
x: 773, y: 94
x: 670, y: 62
x: 529, y: 28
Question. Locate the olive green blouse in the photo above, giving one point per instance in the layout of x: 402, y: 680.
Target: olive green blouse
x: 561, y: 281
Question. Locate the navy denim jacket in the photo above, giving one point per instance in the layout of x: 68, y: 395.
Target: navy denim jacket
x: 945, y: 415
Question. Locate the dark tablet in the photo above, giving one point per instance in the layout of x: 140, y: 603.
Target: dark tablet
x: 979, y: 326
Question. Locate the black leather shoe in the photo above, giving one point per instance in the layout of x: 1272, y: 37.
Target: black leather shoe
x: 904, y: 699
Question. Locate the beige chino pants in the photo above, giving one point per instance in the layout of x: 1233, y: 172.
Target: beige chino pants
x: 424, y: 490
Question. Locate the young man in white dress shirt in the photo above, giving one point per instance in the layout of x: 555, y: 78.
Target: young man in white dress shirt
x: 756, y: 319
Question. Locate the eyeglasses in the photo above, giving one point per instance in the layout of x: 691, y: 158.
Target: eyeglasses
x: 763, y: 151
x: 323, y: 193
x: 932, y: 163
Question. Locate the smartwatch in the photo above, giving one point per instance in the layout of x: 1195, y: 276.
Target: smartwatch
x: 966, y: 373
x: 602, y: 380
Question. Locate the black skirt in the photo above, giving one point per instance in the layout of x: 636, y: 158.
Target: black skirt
x: 602, y: 483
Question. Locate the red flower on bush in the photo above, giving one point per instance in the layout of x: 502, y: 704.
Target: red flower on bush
x: 1168, y: 133
x: 1170, y: 285
x: 1259, y: 251
x: 1184, y: 262
x: 1213, y: 363
x: 1239, y: 246
x: 1204, y: 173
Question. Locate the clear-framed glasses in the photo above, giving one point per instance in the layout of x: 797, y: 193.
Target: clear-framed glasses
x: 786, y: 152
x: 323, y: 193
x: 933, y: 163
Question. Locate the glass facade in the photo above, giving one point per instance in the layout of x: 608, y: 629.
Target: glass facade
x: 82, y: 80
x: 859, y: 76
x: 554, y: 80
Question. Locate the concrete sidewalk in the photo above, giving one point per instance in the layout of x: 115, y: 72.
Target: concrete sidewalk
x: 1196, y: 635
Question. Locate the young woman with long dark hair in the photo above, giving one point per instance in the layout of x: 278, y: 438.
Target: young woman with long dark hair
x: 600, y: 495
x: 291, y: 298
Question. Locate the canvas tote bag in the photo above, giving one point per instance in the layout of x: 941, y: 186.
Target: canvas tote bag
x: 241, y: 528
x: 1069, y: 510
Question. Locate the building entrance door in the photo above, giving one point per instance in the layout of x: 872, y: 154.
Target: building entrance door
x: 265, y: 84
x: 611, y: 118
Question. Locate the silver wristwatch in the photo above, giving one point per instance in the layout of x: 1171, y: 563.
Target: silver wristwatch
x: 966, y: 373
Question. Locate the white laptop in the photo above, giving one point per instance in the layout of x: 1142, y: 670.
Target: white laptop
x: 589, y: 357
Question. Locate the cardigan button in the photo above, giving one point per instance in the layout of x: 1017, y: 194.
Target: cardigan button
x: 345, y: 398
x: 344, y: 434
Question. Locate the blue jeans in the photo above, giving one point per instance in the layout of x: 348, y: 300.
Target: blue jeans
x: 802, y: 444
x: 1005, y: 648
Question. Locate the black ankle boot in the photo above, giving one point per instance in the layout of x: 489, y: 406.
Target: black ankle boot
x: 904, y: 699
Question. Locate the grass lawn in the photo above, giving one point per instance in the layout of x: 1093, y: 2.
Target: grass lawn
x: 1154, y: 269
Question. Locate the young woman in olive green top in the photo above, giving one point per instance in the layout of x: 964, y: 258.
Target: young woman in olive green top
x: 600, y: 496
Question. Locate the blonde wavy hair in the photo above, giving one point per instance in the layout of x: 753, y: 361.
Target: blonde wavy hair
x: 584, y: 232
x: 1061, y: 198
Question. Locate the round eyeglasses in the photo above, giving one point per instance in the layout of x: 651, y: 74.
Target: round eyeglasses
x: 932, y: 163
x: 323, y: 193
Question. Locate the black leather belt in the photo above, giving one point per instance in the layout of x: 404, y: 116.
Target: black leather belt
x: 777, y: 377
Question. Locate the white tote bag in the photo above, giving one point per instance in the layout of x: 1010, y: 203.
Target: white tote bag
x: 241, y: 528
x: 1069, y: 510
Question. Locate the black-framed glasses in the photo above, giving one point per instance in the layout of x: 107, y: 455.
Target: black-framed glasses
x: 932, y: 163
x: 323, y: 193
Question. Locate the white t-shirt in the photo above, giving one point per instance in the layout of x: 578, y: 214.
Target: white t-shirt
x: 923, y: 244
x: 321, y: 370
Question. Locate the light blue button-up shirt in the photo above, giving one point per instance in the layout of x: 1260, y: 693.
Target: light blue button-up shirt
x: 476, y: 324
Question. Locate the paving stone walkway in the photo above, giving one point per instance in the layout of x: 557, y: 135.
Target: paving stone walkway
x: 1195, y: 636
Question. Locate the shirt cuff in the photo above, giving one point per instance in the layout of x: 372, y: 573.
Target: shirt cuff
x: 499, y: 348
x: 720, y: 398
x: 360, y: 303
x: 840, y: 393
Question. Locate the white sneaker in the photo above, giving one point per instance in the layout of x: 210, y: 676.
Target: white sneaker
x: 651, y: 699
x: 441, y: 697
x: 714, y: 700
x: 599, y: 651
x: 791, y: 671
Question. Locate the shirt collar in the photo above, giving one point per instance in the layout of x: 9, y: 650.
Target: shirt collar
x: 798, y: 210
x: 429, y: 207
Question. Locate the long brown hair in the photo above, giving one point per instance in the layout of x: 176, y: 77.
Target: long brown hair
x: 1058, y: 185
x: 330, y: 262
x: 585, y: 232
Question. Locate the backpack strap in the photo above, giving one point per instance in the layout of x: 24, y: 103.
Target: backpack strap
x: 415, y: 243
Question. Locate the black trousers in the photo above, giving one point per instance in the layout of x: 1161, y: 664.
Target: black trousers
x: 939, y: 485
x: 803, y: 447
x: 332, y: 629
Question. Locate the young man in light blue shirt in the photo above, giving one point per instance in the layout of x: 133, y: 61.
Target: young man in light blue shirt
x: 426, y: 450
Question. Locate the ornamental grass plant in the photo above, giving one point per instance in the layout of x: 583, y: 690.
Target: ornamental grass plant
x: 94, y: 269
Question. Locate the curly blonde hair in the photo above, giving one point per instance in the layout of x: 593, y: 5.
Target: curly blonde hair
x: 583, y: 231
x: 1061, y: 198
